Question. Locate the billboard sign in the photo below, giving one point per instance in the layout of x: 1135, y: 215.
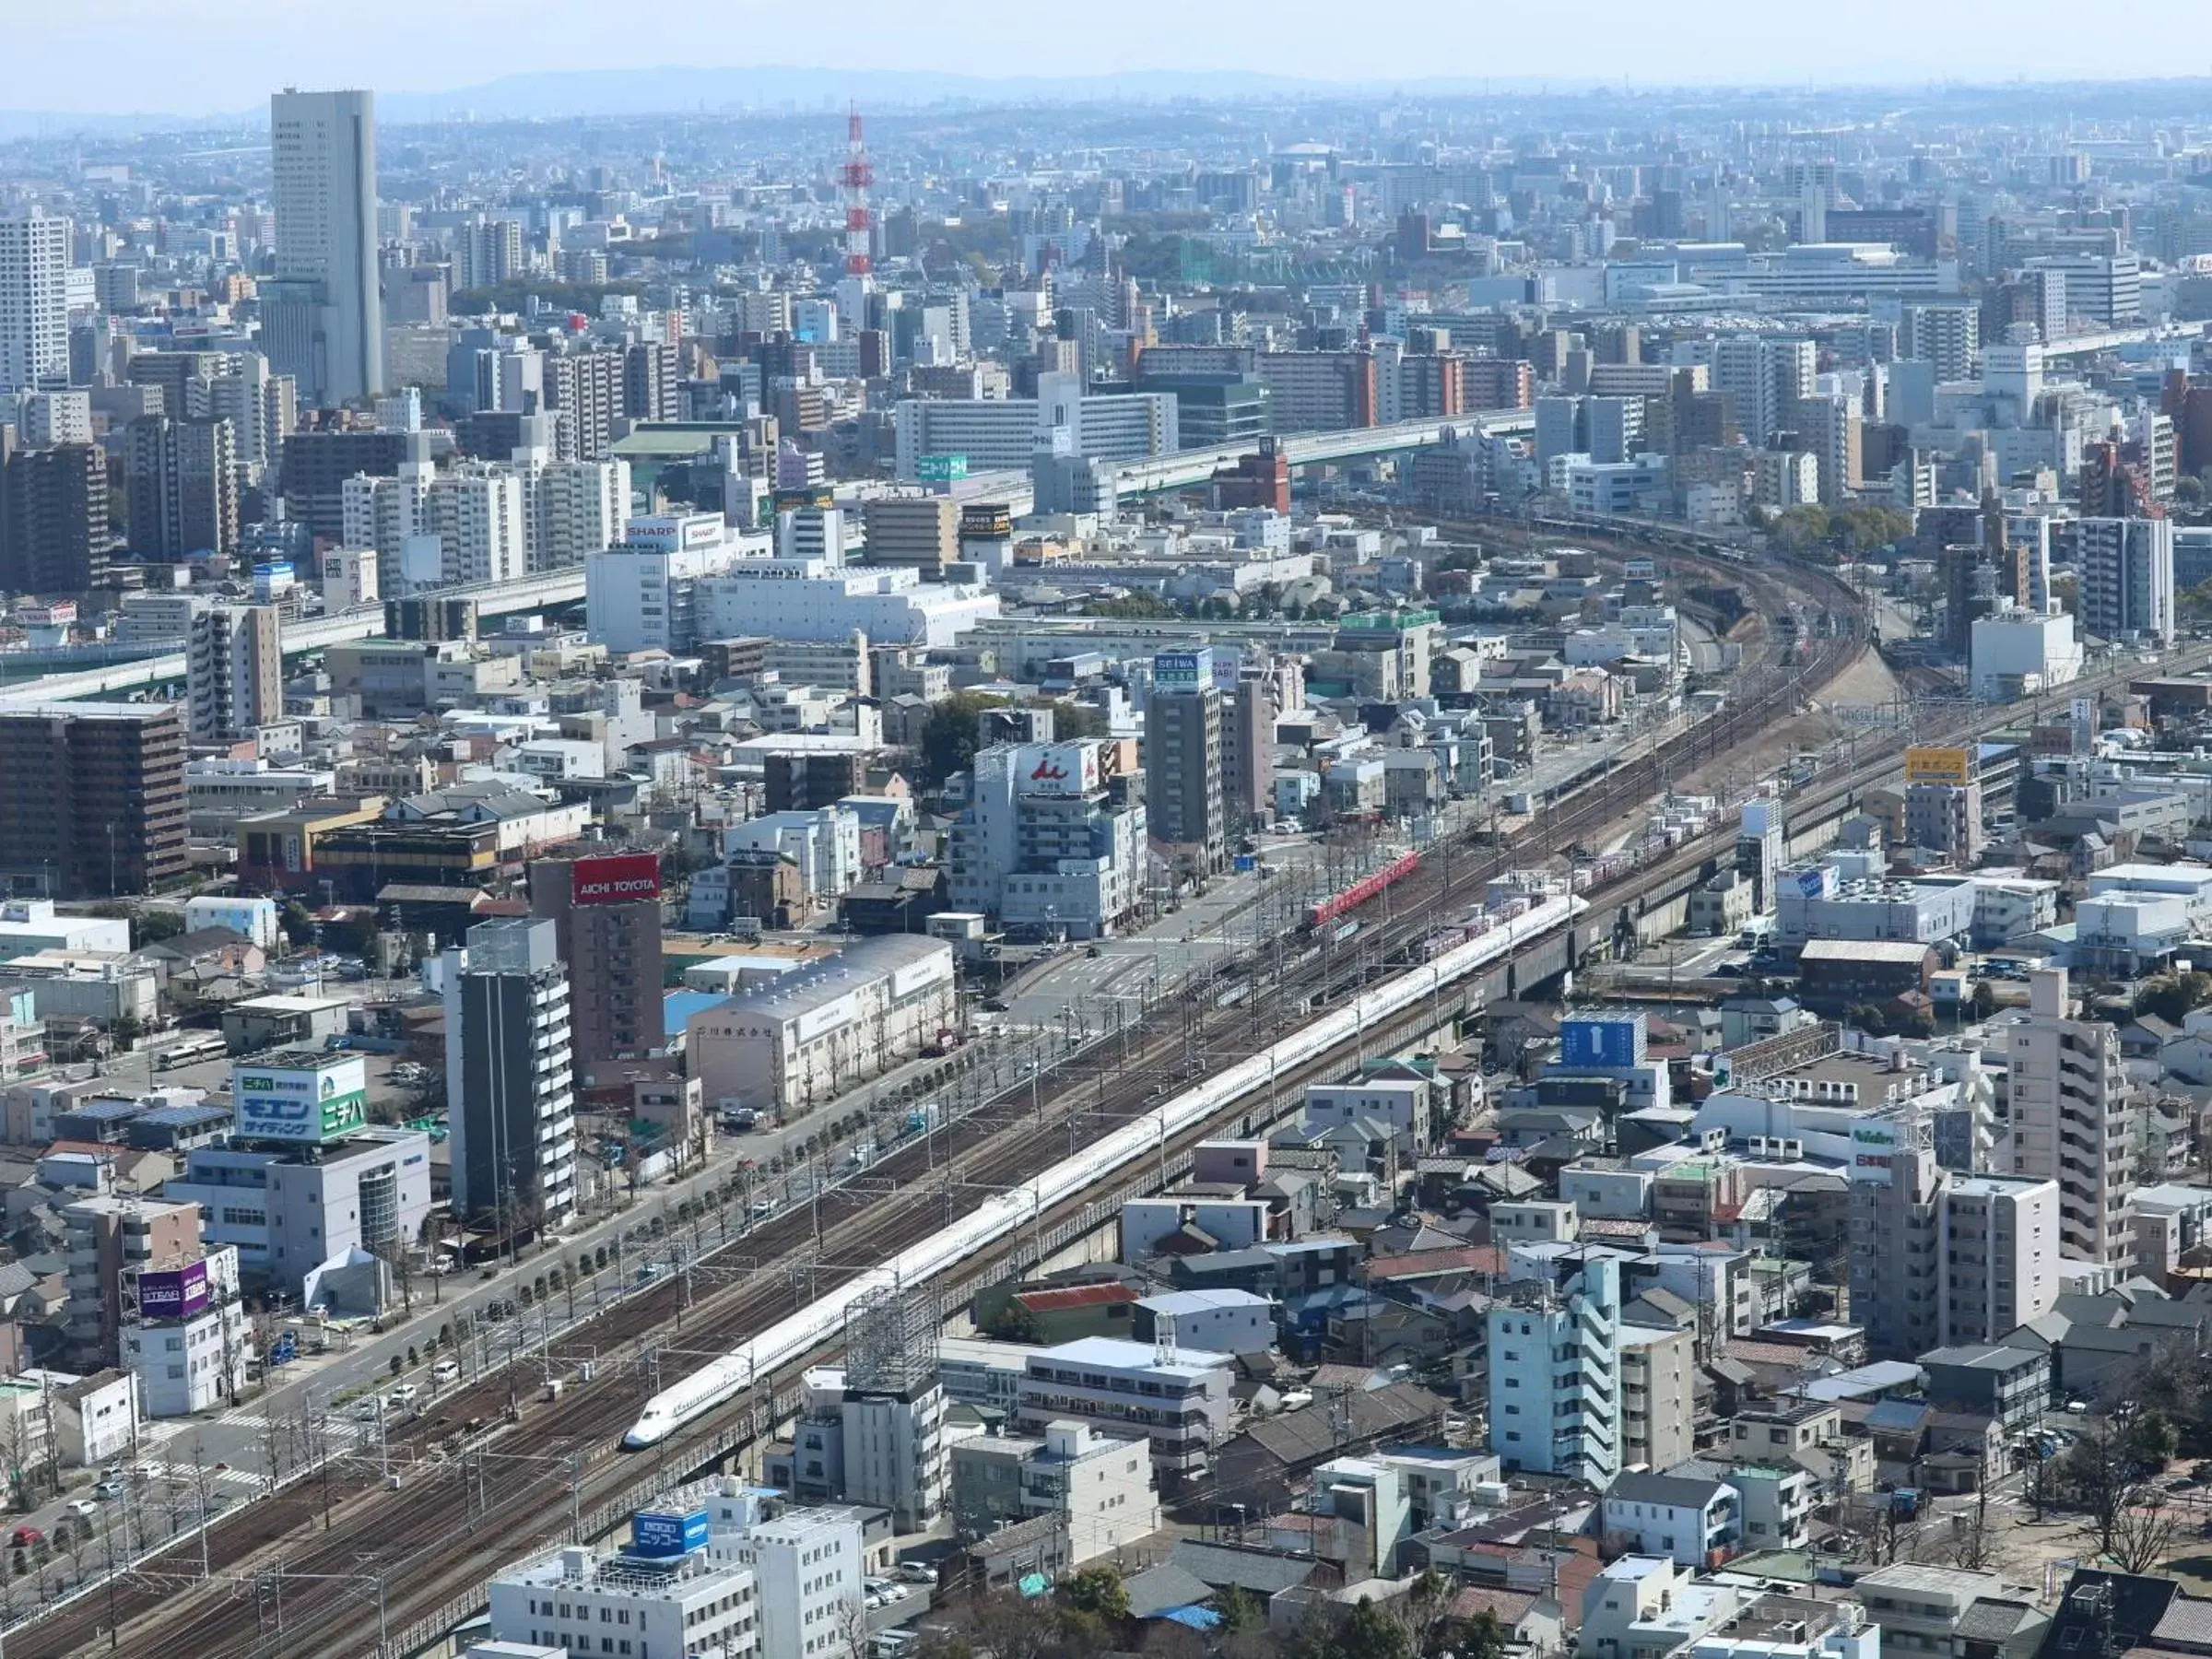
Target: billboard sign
x: 1873, y: 1147
x: 306, y: 1103
x: 1818, y: 883
x: 662, y: 1534
x: 941, y: 469
x: 174, y: 1292
x: 1606, y: 1044
x: 1058, y: 768
x: 617, y: 878
x: 1953, y: 766
x: 1183, y: 670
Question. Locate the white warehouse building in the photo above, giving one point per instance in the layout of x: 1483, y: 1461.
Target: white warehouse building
x: 815, y: 1033
x: 1005, y: 433
x: 814, y: 599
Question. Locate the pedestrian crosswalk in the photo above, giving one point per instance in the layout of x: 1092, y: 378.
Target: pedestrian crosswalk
x: 186, y: 1475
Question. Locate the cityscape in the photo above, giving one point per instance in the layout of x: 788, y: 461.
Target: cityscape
x: 909, y: 863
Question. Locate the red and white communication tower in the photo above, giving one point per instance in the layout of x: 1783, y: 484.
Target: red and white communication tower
x: 855, y: 177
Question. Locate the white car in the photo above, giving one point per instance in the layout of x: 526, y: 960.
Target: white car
x: 445, y: 1370
x: 917, y: 1572
x: 403, y: 1396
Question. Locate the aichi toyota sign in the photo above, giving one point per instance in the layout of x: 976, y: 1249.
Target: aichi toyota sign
x: 618, y: 878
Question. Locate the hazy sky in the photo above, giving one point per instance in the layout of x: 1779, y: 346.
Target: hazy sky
x: 121, y: 55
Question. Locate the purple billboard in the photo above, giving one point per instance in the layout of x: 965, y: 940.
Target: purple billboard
x: 174, y: 1292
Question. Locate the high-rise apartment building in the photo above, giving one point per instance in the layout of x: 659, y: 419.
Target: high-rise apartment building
x: 1555, y: 1369
x: 1946, y: 336
x: 323, y: 315
x: 181, y: 478
x: 34, y: 300
x: 919, y: 530
x: 92, y: 797
x: 234, y: 672
x: 2127, y: 566
x: 54, y: 519
x: 1183, y: 797
x: 509, y: 1076
x: 2071, y: 1121
x: 585, y: 389
x: 651, y: 373
x: 1999, y: 1248
x: 606, y: 916
x: 1896, y: 1265
x: 573, y: 509
x: 477, y: 513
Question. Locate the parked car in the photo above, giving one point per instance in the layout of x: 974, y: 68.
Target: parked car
x: 917, y: 1572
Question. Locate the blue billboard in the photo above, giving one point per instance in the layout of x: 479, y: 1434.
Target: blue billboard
x: 667, y: 1534
x: 1604, y: 1045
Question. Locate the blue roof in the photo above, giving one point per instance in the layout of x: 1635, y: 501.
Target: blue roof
x: 185, y: 1117
x: 108, y: 1111
x: 1198, y: 1618
x: 677, y: 1008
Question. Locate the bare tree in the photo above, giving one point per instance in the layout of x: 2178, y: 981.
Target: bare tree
x: 2142, y: 1534
x: 1973, y: 1543
x: 2101, y: 1476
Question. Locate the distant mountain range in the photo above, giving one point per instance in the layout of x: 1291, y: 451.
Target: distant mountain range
x: 688, y: 89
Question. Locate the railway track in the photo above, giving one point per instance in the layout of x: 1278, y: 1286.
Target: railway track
x: 338, y: 1564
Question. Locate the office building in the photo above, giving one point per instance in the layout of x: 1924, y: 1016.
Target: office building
x: 295, y: 1206
x: 54, y: 520
x: 323, y: 315
x: 2072, y: 1123
x: 1183, y: 795
x: 1321, y: 390
x: 182, y: 486
x: 808, y: 1567
x: 2126, y: 578
x: 649, y: 1601
x: 509, y: 1076
x: 316, y: 465
x: 1052, y: 841
x: 1177, y: 1399
x: 1999, y: 1247
x: 607, y: 915
x: 185, y: 1333
x: 92, y: 797
x: 1556, y: 1371
x: 234, y: 672
x: 34, y: 300
x: 642, y: 593
x: 918, y: 530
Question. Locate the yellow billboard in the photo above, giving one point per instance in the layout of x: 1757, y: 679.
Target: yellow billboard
x: 1939, y: 765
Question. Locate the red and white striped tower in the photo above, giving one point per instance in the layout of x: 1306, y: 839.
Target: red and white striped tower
x: 855, y: 177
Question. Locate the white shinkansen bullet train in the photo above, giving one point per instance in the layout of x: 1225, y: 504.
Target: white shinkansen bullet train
x: 723, y: 1380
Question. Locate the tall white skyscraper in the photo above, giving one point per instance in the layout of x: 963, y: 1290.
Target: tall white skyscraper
x: 322, y: 315
x: 34, y: 300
